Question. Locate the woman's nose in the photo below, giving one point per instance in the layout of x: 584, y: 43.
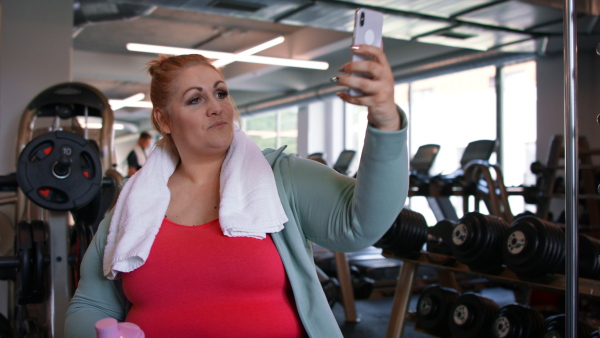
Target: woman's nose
x: 215, y: 107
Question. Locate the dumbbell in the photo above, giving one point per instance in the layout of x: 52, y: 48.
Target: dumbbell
x: 534, y: 247
x: 406, y: 236
x: 556, y: 327
x: 28, y: 267
x: 433, y: 310
x: 472, y: 316
x: 589, y: 251
x: 439, y: 238
x: 476, y: 241
x: 518, y: 321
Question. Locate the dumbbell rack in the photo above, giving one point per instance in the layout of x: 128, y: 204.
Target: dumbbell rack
x: 400, y: 314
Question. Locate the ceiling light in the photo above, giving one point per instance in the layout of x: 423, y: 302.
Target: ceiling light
x: 138, y: 47
x: 133, y: 99
x: 133, y: 104
x: 96, y: 123
x: 249, y: 51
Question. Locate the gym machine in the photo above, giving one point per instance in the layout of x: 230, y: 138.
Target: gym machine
x: 472, y: 178
x: 550, y: 183
x: 64, y: 184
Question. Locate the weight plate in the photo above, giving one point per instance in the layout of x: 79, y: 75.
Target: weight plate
x: 476, y: 241
x: 472, y: 316
x: 518, y: 321
x: 59, y: 171
x: 433, y: 309
x: 407, y: 236
x: 23, y: 249
x: 534, y: 247
x: 589, y: 249
x: 556, y: 327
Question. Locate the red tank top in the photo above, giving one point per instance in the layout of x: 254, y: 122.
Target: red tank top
x: 198, y: 282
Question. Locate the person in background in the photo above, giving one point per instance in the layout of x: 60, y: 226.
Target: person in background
x: 138, y: 155
x: 212, y: 237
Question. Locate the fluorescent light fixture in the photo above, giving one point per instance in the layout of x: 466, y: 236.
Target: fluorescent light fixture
x: 138, y: 47
x: 249, y: 51
x: 133, y: 104
x: 132, y: 101
x: 96, y: 123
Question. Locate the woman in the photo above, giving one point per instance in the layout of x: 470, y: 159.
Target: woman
x: 230, y: 232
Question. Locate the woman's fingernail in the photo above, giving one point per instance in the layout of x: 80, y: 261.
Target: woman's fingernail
x: 355, y: 47
x: 342, y: 68
x: 334, y: 79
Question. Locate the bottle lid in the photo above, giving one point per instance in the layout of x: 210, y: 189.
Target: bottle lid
x: 107, y: 327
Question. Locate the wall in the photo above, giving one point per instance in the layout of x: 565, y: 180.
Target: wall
x: 35, y: 53
x: 550, y: 96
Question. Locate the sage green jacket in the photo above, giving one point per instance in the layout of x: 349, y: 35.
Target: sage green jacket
x: 323, y: 207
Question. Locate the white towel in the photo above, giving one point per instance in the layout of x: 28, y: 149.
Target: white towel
x: 250, y: 205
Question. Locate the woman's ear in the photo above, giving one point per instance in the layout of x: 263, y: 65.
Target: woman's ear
x: 162, y: 120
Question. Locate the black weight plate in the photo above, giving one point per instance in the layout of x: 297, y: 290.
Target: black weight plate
x: 480, y: 242
x: 40, y: 251
x: 23, y: 249
x: 556, y: 327
x: 518, y: 321
x: 411, y: 235
x: 433, y: 309
x: 472, y: 316
x: 589, y: 251
x: 40, y: 182
x: 519, y: 259
x: 464, y: 245
x: 488, y: 257
x: 555, y: 260
x: 517, y: 256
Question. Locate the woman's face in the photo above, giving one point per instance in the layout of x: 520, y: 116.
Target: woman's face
x: 202, y: 112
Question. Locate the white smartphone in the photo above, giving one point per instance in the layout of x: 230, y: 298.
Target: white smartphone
x: 368, y: 27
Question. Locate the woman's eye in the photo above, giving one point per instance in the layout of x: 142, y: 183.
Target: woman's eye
x: 222, y: 94
x: 194, y: 100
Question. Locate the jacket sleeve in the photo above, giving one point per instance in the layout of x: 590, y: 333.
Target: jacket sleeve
x: 345, y: 214
x: 96, y: 297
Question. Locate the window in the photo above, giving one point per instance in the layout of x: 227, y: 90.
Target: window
x: 451, y: 111
x: 356, y: 123
x: 274, y: 129
x: 519, y: 97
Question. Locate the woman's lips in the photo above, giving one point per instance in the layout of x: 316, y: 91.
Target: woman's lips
x: 217, y: 125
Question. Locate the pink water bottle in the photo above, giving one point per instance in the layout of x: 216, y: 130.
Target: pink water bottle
x: 110, y: 328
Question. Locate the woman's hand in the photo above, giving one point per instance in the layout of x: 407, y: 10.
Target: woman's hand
x: 378, y: 89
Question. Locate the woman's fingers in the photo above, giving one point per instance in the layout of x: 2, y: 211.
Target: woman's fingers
x: 375, y: 80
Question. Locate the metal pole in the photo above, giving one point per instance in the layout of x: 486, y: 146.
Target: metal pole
x: 571, y: 167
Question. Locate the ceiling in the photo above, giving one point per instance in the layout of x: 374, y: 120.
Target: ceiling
x: 314, y: 30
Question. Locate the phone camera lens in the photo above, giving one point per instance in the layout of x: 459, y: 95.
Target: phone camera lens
x: 362, y: 19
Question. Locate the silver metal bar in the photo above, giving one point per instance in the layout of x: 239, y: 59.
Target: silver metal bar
x: 85, y: 130
x: 571, y: 166
x: 60, y: 285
